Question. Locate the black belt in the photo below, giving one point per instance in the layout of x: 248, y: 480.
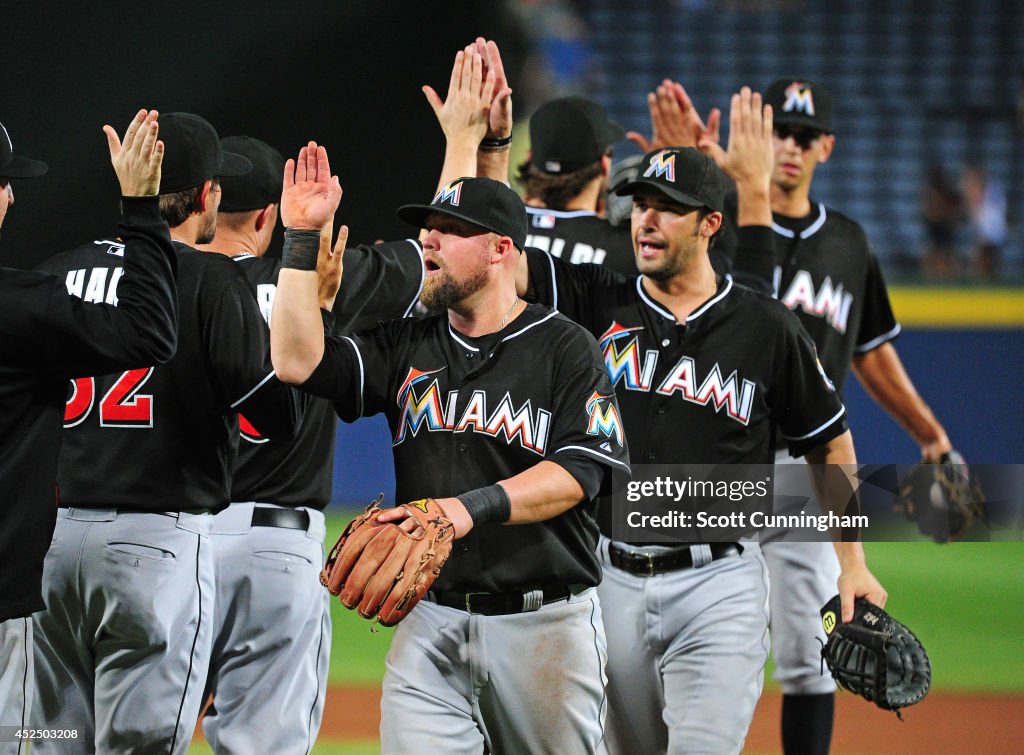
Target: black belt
x: 649, y: 564
x: 500, y: 604
x: 291, y: 519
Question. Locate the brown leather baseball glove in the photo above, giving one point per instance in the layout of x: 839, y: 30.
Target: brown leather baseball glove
x: 382, y: 570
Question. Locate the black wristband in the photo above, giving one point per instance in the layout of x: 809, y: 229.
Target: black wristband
x: 490, y: 504
x: 300, y: 249
x: 502, y: 142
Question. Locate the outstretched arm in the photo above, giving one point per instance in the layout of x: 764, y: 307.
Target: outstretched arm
x: 309, y: 200
x: 881, y: 373
x: 832, y: 468
x: 86, y: 338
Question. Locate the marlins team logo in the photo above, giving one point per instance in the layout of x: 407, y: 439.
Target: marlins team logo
x: 662, y: 165
x: 604, y: 417
x: 450, y: 194
x: 417, y: 411
x: 799, y: 99
x: 422, y: 406
x: 622, y: 358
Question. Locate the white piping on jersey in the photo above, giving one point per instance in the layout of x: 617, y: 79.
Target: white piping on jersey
x: 693, y: 315
x: 452, y: 331
x: 554, y: 281
x: 359, y: 358
x: 815, y: 431
x: 651, y: 303
x: 531, y: 325
x: 712, y: 301
x: 874, y: 343
x: 423, y: 276
x: 560, y: 213
x: 594, y: 453
x: 509, y: 337
x: 242, y: 256
x: 810, y: 230
x: 256, y: 388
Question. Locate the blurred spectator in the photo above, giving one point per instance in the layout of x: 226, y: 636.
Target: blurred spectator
x: 942, y: 212
x: 985, y: 202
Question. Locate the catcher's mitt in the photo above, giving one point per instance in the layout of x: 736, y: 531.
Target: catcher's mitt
x: 941, y: 498
x: 382, y: 570
x: 875, y: 656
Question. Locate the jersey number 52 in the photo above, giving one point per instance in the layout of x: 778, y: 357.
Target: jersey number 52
x: 121, y: 406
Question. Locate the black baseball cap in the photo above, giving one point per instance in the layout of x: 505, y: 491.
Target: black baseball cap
x: 17, y: 167
x: 192, y: 153
x: 260, y: 186
x: 484, y: 202
x: 683, y: 174
x: 798, y: 102
x: 569, y: 134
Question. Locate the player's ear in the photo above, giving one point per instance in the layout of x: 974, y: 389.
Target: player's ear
x: 203, y: 198
x: 606, y: 165
x: 826, y: 143
x: 267, y: 215
x: 503, y: 247
x: 710, y: 224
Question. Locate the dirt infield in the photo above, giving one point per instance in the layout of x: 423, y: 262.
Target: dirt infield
x: 945, y: 723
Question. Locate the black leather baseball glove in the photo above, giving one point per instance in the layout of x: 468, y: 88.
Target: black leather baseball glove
x: 875, y: 656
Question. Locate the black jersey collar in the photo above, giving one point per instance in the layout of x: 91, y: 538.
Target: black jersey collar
x: 531, y: 317
x: 810, y: 230
x: 724, y: 287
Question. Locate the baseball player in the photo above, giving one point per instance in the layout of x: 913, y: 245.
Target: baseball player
x: 47, y: 336
x: 272, y: 625
x: 123, y: 652
x: 565, y: 179
x: 681, y: 615
x: 493, y: 406
x: 828, y: 275
x: 687, y: 626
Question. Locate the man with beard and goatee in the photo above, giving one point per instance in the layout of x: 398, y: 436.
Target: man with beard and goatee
x: 123, y: 649
x: 503, y: 413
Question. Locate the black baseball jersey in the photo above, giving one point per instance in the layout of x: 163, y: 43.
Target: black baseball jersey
x: 827, y: 274
x: 710, y: 391
x: 165, y: 438
x: 379, y: 282
x: 467, y: 412
x: 47, y: 337
x: 579, y: 236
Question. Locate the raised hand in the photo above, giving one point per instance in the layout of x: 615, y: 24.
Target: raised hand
x: 674, y: 120
x: 464, y: 115
x: 311, y: 194
x: 751, y: 155
x: 137, y: 159
x: 499, y: 124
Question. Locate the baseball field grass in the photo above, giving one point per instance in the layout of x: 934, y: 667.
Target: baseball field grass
x: 964, y: 601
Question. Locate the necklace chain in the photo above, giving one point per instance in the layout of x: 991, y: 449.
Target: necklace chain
x: 515, y: 303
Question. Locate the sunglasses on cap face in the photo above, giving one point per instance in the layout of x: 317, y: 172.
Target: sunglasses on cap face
x: 803, y: 137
